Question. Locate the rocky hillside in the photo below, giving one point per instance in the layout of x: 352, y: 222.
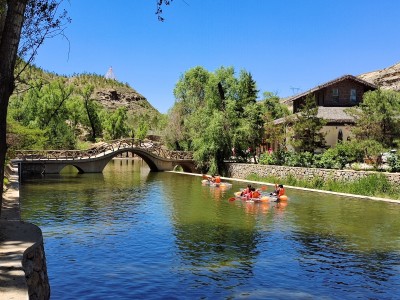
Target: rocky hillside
x: 388, y: 78
x: 108, y: 92
x: 112, y: 98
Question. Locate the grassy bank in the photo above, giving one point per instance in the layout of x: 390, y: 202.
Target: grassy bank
x: 374, y: 185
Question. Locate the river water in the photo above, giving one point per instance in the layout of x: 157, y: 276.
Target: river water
x: 133, y: 234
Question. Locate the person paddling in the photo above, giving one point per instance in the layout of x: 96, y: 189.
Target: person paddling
x: 280, y: 192
x: 246, y: 190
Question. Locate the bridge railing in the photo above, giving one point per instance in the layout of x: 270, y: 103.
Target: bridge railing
x: 104, y: 148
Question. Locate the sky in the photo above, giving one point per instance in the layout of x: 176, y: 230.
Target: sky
x: 289, y: 46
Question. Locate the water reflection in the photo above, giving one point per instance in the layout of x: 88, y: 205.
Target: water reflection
x: 149, y: 233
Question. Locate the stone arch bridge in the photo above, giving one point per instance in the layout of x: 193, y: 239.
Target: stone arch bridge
x: 94, y: 160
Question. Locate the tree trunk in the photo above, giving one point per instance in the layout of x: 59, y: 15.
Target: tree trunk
x: 10, y: 36
x: 91, y: 121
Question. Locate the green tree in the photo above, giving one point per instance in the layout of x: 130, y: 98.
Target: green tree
x: 273, y: 110
x: 377, y: 117
x: 190, y: 94
x: 307, y: 128
x: 141, y: 130
x: 273, y: 107
x: 247, y: 89
x: 115, y: 124
x: 214, y: 112
x: 24, y: 26
x: 76, y: 112
x: 34, y: 21
x: 175, y: 131
x: 44, y: 107
x: 210, y: 144
x: 93, y: 112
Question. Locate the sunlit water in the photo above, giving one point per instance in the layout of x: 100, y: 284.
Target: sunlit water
x: 132, y: 234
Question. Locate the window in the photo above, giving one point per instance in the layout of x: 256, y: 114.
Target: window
x: 335, y: 95
x: 353, y: 95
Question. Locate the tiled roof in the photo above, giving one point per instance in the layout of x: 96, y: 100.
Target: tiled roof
x: 290, y: 100
x: 330, y: 114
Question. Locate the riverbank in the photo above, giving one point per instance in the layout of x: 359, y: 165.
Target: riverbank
x: 23, y: 271
x: 288, y: 187
x: 363, y: 183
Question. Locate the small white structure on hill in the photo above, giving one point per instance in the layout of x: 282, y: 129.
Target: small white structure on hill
x: 110, y: 74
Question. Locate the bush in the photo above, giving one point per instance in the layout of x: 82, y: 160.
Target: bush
x: 267, y: 159
x: 301, y: 159
x: 328, y: 159
x: 341, y: 155
x: 275, y: 158
x: 394, y: 162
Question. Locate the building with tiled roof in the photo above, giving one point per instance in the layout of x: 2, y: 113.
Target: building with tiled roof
x: 333, y: 98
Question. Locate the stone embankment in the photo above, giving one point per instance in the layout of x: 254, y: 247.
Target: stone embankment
x: 23, y: 270
x: 244, y: 170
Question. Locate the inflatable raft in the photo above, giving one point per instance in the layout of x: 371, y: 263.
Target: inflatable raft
x: 213, y: 184
x: 262, y: 198
x: 259, y: 199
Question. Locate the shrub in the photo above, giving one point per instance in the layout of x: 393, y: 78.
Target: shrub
x: 394, y: 162
x: 328, y: 159
x: 341, y: 155
x: 275, y: 158
x: 267, y: 159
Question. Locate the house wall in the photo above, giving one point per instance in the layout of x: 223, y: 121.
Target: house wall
x: 344, y: 87
x: 331, y: 133
x: 324, y: 96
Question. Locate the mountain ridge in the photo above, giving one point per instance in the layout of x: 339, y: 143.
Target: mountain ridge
x: 387, y: 78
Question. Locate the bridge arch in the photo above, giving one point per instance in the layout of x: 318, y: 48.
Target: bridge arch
x: 94, y: 160
x: 80, y: 171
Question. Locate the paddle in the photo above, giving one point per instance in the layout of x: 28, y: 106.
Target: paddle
x: 232, y: 199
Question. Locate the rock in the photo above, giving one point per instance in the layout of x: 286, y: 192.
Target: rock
x: 388, y: 78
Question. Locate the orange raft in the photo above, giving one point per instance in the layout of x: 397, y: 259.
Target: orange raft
x: 215, y: 184
x: 238, y: 196
x: 283, y: 198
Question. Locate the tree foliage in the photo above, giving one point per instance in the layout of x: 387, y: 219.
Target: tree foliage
x: 273, y: 110
x: 213, y: 113
x: 115, y: 124
x: 377, y: 117
x: 307, y: 135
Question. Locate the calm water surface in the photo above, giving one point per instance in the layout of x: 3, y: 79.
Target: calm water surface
x: 132, y: 234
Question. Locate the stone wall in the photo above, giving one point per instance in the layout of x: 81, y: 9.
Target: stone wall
x: 22, y: 257
x: 34, y: 264
x: 244, y: 170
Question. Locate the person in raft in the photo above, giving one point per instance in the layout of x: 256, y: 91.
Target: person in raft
x: 217, y: 179
x: 255, y: 193
x: 211, y: 178
x: 280, y: 191
x: 246, y: 190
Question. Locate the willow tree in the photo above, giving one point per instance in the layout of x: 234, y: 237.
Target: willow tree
x: 214, y: 112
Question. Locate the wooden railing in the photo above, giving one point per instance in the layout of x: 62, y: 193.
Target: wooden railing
x: 101, y: 149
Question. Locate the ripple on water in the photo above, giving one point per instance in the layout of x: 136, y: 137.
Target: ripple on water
x: 164, y: 236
